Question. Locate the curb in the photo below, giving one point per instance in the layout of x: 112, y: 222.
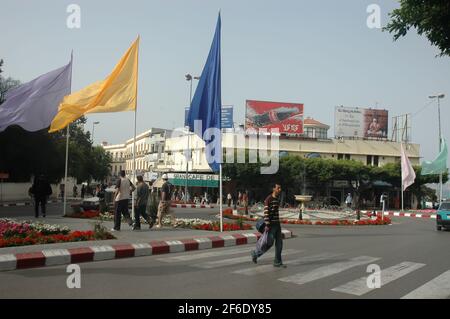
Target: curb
x: 399, y: 214
x: 31, y: 203
x: 27, y: 203
x: 190, y: 206
x: 53, y: 257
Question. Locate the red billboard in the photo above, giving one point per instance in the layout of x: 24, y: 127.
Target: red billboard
x: 287, y: 117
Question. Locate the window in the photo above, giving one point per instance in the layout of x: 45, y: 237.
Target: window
x: 347, y: 156
x: 369, y: 160
x: 375, y: 160
x: 340, y: 156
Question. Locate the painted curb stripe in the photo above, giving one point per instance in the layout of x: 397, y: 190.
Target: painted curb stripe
x: 81, y: 255
x: 30, y: 260
x: 240, y: 239
x: 124, y: 251
x: 159, y: 247
x: 190, y: 244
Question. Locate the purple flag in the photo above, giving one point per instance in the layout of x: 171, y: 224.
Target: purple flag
x: 33, y: 105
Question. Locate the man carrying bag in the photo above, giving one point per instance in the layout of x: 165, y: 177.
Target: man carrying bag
x: 272, y: 230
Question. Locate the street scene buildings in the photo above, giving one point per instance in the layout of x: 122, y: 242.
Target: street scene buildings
x: 202, y: 151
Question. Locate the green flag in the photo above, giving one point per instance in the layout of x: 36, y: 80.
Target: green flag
x: 439, y: 165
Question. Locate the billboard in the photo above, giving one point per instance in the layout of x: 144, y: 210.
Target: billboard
x: 360, y: 122
x: 287, y: 117
x: 227, y: 116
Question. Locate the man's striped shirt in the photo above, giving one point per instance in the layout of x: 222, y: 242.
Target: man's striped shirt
x: 271, y: 214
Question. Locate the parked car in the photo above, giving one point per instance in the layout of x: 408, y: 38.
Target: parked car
x: 443, y: 216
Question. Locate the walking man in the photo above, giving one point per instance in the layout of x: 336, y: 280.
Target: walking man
x: 273, y: 227
x: 229, y: 199
x: 122, y: 197
x: 349, y: 200
x: 164, y: 204
x: 142, y: 194
x: 41, y: 190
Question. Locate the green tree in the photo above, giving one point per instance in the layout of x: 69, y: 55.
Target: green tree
x: 6, y: 83
x: 429, y: 17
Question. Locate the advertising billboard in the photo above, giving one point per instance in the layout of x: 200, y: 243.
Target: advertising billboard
x: 227, y: 116
x: 360, y: 122
x: 287, y: 117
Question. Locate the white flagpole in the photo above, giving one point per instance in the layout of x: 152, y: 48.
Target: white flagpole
x: 402, y: 196
x: 220, y: 195
x: 134, y: 140
x: 67, y: 144
x: 134, y: 159
x: 66, y: 169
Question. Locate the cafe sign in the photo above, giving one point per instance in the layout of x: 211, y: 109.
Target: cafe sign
x: 194, y: 180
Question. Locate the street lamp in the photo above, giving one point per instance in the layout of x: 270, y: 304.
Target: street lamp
x: 438, y: 97
x: 189, y: 78
x: 93, y: 127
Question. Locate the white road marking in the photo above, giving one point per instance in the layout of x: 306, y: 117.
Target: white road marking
x: 328, y: 270
x: 438, y: 288
x: 208, y: 254
x: 256, y: 270
x: 239, y: 260
x: 359, y: 286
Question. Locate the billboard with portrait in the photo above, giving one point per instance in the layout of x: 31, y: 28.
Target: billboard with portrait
x: 287, y: 117
x: 361, y: 122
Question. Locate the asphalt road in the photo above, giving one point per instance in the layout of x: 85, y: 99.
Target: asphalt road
x: 323, y: 262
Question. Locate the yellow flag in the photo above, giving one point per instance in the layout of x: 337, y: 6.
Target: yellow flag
x: 116, y: 93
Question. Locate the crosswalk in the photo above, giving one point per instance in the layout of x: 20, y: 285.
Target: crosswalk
x: 307, y: 267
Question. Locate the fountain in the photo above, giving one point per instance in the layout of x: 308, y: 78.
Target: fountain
x: 302, y: 199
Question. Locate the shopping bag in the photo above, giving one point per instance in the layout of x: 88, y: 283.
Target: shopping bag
x: 264, y: 242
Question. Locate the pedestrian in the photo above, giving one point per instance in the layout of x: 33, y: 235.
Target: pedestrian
x: 164, y: 204
x: 239, y: 203
x: 273, y: 227
x: 75, y: 191
x: 121, y: 200
x: 41, y: 191
x: 349, y: 200
x: 83, y: 190
x: 245, y: 201
x: 142, y: 194
x: 229, y: 197
x: 100, y: 193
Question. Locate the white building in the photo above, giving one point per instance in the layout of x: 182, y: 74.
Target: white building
x: 150, y: 148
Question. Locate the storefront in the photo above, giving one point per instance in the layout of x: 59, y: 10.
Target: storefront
x: 198, y: 184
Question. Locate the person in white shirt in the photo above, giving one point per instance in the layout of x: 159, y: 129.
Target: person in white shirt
x: 349, y: 200
x: 124, y: 187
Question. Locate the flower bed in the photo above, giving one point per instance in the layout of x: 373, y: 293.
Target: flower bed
x: 14, y: 233
x: 86, y: 214
x: 202, y: 224
x: 345, y: 222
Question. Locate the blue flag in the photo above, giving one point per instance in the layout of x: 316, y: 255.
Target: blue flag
x: 204, y: 118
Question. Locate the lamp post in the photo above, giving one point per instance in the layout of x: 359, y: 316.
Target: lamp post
x: 189, y: 78
x: 438, y: 97
x: 93, y: 127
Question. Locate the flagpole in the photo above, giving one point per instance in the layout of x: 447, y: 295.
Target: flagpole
x: 220, y: 195
x: 66, y: 169
x: 134, y: 140
x: 67, y: 144
x: 402, y: 196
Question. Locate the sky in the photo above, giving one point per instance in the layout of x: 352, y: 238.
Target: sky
x: 320, y: 53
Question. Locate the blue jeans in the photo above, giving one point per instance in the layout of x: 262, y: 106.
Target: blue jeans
x: 277, y: 238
